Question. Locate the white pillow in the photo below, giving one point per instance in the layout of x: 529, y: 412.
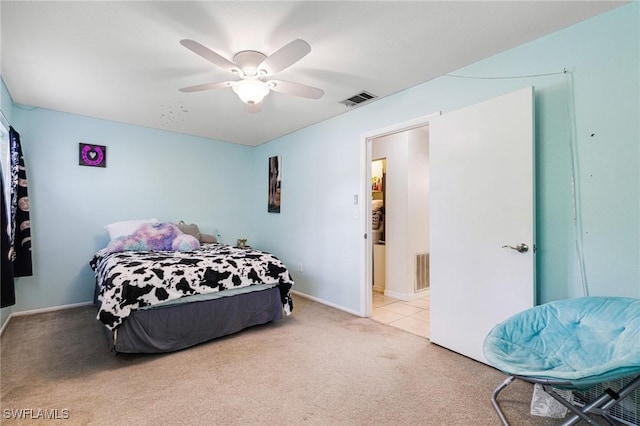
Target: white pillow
x: 123, y: 228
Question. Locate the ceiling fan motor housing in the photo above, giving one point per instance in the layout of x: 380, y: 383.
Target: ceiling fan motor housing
x: 248, y: 61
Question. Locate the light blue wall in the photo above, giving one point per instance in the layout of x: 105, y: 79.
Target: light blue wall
x: 6, y: 103
x: 321, y: 163
x: 149, y: 173
x: 215, y: 184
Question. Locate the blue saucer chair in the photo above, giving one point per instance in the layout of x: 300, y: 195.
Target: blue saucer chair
x: 572, y: 344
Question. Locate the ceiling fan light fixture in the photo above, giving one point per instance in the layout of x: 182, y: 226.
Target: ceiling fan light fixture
x: 253, y: 68
x: 251, y: 91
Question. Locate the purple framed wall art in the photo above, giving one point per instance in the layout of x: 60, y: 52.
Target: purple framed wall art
x: 92, y: 155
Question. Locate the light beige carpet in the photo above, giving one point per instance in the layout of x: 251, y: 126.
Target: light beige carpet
x: 320, y: 366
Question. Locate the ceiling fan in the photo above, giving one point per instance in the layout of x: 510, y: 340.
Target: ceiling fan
x: 254, y: 69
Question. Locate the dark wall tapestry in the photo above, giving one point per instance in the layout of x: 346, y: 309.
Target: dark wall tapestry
x: 20, y: 223
x: 275, y: 166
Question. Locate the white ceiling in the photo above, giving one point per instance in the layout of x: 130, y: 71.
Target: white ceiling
x: 122, y: 60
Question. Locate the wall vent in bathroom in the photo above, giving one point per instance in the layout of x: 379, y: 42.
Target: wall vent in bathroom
x: 358, y: 99
x: 422, y: 271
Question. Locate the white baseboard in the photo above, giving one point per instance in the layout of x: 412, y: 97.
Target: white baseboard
x: 40, y: 311
x: 404, y: 296
x: 77, y: 305
x: 324, y: 302
x: 52, y: 309
x: 4, y: 326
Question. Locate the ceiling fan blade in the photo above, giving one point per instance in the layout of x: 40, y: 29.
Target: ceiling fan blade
x: 206, y: 86
x: 285, y: 56
x: 210, y: 55
x: 295, y: 89
x: 254, y: 107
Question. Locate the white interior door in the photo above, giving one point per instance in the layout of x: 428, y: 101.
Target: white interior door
x: 482, y: 198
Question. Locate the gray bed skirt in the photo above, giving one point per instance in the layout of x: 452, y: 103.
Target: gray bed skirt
x: 171, y: 328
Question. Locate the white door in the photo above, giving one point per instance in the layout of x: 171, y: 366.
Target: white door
x: 482, y: 199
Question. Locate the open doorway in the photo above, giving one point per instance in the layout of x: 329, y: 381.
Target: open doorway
x: 397, y: 285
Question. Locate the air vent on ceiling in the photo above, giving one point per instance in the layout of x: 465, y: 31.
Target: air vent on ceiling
x: 358, y: 99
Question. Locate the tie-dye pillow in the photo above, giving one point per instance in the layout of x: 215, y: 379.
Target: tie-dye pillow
x: 162, y: 236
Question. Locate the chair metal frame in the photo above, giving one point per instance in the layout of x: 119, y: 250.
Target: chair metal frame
x: 599, y: 406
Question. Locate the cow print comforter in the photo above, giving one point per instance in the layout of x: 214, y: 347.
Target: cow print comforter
x: 134, y: 279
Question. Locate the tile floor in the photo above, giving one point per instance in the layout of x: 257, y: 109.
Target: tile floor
x: 411, y: 316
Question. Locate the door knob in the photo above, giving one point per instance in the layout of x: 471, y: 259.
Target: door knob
x: 520, y: 248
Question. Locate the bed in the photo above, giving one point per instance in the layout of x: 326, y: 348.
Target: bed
x: 163, y: 301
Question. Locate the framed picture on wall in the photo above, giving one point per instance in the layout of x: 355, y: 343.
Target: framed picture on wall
x: 275, y: 173
x: 92, y: 155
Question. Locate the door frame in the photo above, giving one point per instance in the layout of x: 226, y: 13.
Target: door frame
x: 364, y: 210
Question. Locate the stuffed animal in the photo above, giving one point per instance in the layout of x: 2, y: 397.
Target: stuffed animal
x: 162, y: 236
